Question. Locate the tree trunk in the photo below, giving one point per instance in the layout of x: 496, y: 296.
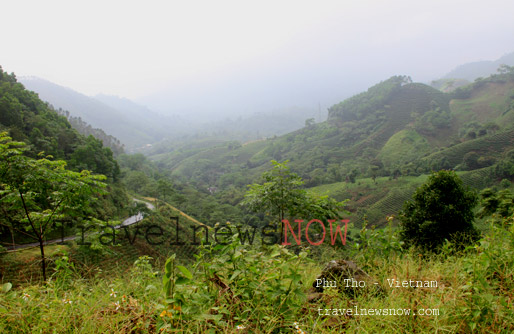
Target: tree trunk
x: 281, y: 226
x: 12, y: 238
x: 43, y: 262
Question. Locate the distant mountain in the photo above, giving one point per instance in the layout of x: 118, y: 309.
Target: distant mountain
x: 474, y: 70
x: 138, y: 113
x: 216, y: 127
x: 134, y: 125
x: 138, y: 127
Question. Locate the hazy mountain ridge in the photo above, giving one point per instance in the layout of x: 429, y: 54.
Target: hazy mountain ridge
x: 86, y: 129
x: 153, y: 123
x: 129, y: 127
x: 138, y: 127
x: 478, y: 69
x: 353, y: 128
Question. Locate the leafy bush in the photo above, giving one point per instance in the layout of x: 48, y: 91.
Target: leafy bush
x: 372, y: 244
x: 432, y: 120
x: 440, y: 209
x: 230, y: 286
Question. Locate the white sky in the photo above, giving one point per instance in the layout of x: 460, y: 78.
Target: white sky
x: 137, y: 48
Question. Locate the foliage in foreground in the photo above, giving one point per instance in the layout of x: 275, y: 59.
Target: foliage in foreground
x: 236, y: 289
x: 68, y: 303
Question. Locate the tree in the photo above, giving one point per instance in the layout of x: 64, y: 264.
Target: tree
x: 136, y: 181
x: 501, y: 202
x: 505, y: 69
x: 93, y: 156
x: 504, y: 169
x: 280, y: 195
x: 350, y: 177
x: 165, y: 188
x: 39, y: 192
x: 309, y: 122
x: 440, y: 209
x: 470, y: 159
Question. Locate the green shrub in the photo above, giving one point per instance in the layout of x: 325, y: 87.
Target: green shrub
x: 231, y: 286
x: 440, y: 208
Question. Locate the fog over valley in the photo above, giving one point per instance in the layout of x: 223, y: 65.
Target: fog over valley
x: 211, y: 61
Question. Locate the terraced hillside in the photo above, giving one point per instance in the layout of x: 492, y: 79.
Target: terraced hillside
x: 492, y: 146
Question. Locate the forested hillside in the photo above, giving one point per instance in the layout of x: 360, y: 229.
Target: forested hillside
x: 48, y: 135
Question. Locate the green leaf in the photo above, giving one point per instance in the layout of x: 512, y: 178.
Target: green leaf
x: 185, y: 271
x: 295, y: 277
x: 235, y: 274
x: 236, y: 255
x: 167, y: 288
x: 167, y: 267
x: 6, y: 287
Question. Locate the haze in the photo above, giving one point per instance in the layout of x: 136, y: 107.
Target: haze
x: 241, y: 57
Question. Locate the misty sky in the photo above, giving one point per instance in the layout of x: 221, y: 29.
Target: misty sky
x: 242, y: 55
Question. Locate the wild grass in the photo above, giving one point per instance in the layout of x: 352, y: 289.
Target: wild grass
x: 264, y: 289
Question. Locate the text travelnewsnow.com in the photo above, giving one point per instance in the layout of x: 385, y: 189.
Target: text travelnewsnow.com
x: 356, y: 311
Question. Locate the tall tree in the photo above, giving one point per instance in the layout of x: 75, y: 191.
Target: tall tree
x: 41, y: 191
x: 280, y: 195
